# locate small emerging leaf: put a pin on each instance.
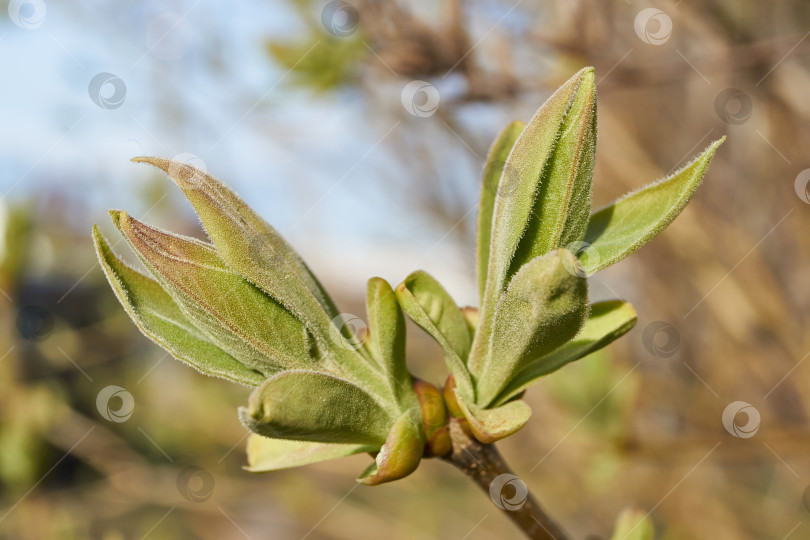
(497, 177)
(607, 321)
(255, 250)
(239, 318)
(431, 307)
(265, 454)
(401, 453)
(159, 318)
(616, 231)
(511, 213)
(386, 339)
(562, 204)
(544, 306)
(311, 406)
(490, 425)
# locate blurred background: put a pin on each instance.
(360, 130)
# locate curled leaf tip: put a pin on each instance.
(401, 453)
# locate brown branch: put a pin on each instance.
(483, 463)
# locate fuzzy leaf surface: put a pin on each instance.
(497, 177)
(617, 230)
(562, 204)
(607, 321)
(312, 406)
(429, 305)
(155, 313)
(544, 306)
(238, 317)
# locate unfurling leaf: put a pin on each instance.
(159, 318)
(551, 165)
(258, 253)
(401, 453)
(607, 321)
(311, 406)
(497, 178)
(544, 306)
(386, 339)
(237, 316)
(431, 307)
(617, 230)
(493, 424)
(562, 203)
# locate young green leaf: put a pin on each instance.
(607, 321)
(431, 307)
(265, 454)
(386, 338)
(544, 306)
(401, 453)
(616, 231)
(511, 213)
(238, 317)
(562, 204)
(158, 317)
(493, 424)
(497, 177)
(311, 406)
(252, 247)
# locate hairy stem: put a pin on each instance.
(483, 463)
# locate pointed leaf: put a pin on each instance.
(607, 321)
(513, 209)
(496, 177)
(386, 338)
(490, 425)
(616, 231)
(431, 307)
(158, 317)
(544, 306)
(250, 245)
(265, 454)
(238, 317)
(401, 453)
(311, 406)
(562, 204)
